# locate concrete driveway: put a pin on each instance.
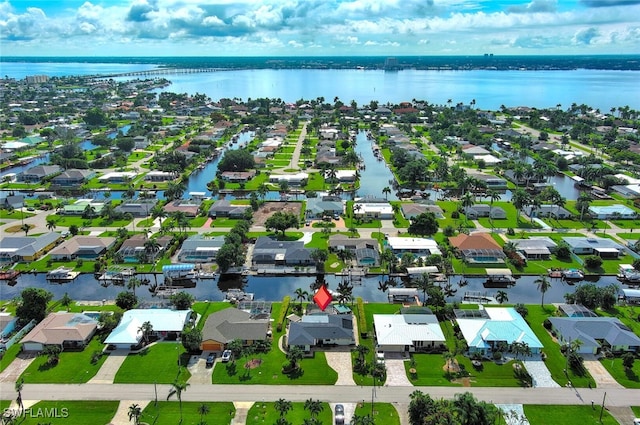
(602, 377)
(340, 361)
(396, 374)
(200, 373)
(17, 366)
(109, 368)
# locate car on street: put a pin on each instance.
(338, 414)
(226, 356)
(211, 358)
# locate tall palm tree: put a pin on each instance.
(51, 224)
(520, 199)
(543, 286)
(135, 411)
(19, 386)
(423, 283)
(502, 297)
(145, 329)
(283, 406)
(386, 191)
(157, 212)
(301, 295)
(203, 410)
(177, 387)
(25, 228)
(151, 247)
(467, 202)
(66, 301)
(493, 197)
(314, 407)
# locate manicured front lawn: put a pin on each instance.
(158, 363)
(628, 378)
(74, 367)
(265, 413)
(636, 410)
(9, 356)
(383, 413)
(168, 412)
(566, 415)
(556, 362)
(71, 412)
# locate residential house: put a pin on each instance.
(82, 207)
(188, 207)
(72, 178)
(321, 330)
(117, 177)
(343, 176)
(554, 211)
(487, 329)
(596, 334)
(407, 332)
(326, 205)
(380, 210)
(421, 247)
(478, 248)
(535, 248)
(410, 211)
(609, 212)
(159, 176)
(38, 173)
(403, 295)
(166, 324)
(133, 250)
(12, 201)
(26, 248)
(141, 142)
(137, 208)
(200, 249)
(268, 251)
(365, 250)
(224, 208)
(594, 245)
(83, 247)
(229, 324)
(484, 210)
(69, 331)
(238, 176)
(298, 179)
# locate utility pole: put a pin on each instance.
(602, 407)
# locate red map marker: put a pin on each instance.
(322, 297)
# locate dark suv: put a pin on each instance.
(211, 358)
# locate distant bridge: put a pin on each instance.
(158, 72)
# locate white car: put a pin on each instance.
(636, 421)
(380, 358)
(226, 356)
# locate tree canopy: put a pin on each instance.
(126, 300)
(238, 160)
(281, 221)
(424, 224)
(33, 305)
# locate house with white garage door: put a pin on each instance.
(408, 332)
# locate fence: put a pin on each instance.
(18, 336)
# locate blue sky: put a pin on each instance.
(317, 27)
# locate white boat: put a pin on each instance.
(572, 274)
(62, 274)
(235, 295)
(628, 274)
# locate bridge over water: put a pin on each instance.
(159, 72)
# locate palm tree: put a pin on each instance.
(203, 410)
(386, 191)
(520, 199)
(467, 202)
(314, 407)
(18, 386)
(133, 283)
(135, 411)
(362, 351)
(145, 329)
(66, 301)
(151, 247)
(294, 355)
(493, 197)
(448, 359)
(423, 283)
(502, 297)
(283, 406)
(543, 286)
(25, 228)
(157, 212)
(345, 292)
(177, 387)
(51, 224)
(301, 295)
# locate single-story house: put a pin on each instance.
(408, 332)
(117, 177)
(381, 210)
(298, 179)
(596, 333)
(200, 249)
(319, 330)
(188, 207)
(485, 329)
(607, 212)
(238, 176)
(84, 247)
(66, 330)
(483, 210)
(594, 245)
(82, 206)
(134, 248)
(410, 211)
(160, 176)
(72, 178)
(224, 208)
(138, 208)
(325, 205)
(628, 191)
(365, 250)
(631, 296)
(26, 248)
(421, 247)
(165, 322)
(403, 295)
(478, 248)
(535, 248)
(343, 176)
(38, 173)
(13, 201)
(224, 326)
(554, 211)
(281, 253)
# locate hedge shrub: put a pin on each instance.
(362, 320)
(283, 312)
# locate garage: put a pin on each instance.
(211, 346)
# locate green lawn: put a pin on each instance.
(168, 412)
(628, 378)
(383, 413)
(204, 309)
(556, 361)
(158, 363)
(636, 410)
(71, 412)
(9, 356)
(265, 413)
(566, 415)
(73, 367)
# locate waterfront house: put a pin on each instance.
(229, 324)
(137, 208)
(547, 210)
(380, 210)
(69, 331)
(404, 333)
(535, 248)
(38, 173)
(166, 324)
(200, 249)
(594, 245)
(140, 142)
(325, 205)
(420, 247)
(484, 210)
(87, 207)
(268, 251)
(224, 208)
(117, 177)
(609, 212)
(238, 176)
(83, 247)
(412, 210)
(596, 333)
(159, 176)
(321, 330)
(365, 250)
(26, 248)
(298, 179)
(188, 207)
(72, 178)
(133, 250)
(478, 248)
(485, 330)
(12, 201)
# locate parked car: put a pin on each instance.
(211, 358)
(636, 421)
(339, 414)
(226, 356)
(336, 216)
(380, 358)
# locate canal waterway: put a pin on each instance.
(376, 175)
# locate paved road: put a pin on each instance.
(328, 393)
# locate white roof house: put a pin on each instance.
(629, 179)
(408, 332)
(382, 210)
(612, 211)
(289, 178)
(163, 320)
(118, 176)
(484, 329)
(422, 246)
(343, 175)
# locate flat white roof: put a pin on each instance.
(411, 243)
(499, 272)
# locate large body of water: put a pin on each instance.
(602, 89)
